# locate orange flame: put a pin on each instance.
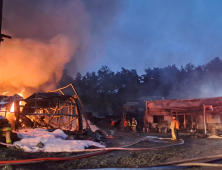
(13, 104)
(12, 108)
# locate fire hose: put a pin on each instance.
(99, 152)
(190, 162)
(183, 163)
(201, 164)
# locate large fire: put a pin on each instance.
(36, 65)
(42, 44)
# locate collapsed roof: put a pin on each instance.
(5, 100)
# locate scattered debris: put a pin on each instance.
(40, 145)
(112, 132)
(71, 137)
(197, 135)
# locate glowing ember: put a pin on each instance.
(22, 95)
(4, 93)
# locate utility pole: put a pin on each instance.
(2, 35)
(1, 9)
(204, 119)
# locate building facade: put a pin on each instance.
(203, 113)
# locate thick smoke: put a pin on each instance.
(30, 64)
(46, 35)
(196, 82)
(102, 14)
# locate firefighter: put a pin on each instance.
(134, 124)
(5, 129)
(125, 125)
(112, 123)
(174, 128)
(128, 126)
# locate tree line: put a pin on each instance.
(104, 92)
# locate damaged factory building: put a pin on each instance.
(58, 109)
(203, 113)
(53, 109)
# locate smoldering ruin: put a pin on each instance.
(61, 108)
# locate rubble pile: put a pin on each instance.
(197, 135)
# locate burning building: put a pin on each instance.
(61, 108)
(203, 113)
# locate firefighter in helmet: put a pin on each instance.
(5, 129)
(174, 128)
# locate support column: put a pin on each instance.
(76, 113)
(17, 113)
(204, 116)
(191, 120)
(184, 121)
(80, 125)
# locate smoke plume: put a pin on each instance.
(46, 35)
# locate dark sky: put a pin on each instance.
(134, 34)
(157, 33)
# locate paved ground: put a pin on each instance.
(192, 148)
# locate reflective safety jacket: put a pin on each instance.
(174, 124)
(177, 124)
(5, 125)
(125, 123)
(134, 123)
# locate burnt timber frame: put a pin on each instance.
(56, 110)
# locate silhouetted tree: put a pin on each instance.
(105, 91)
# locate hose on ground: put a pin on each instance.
(37, 160)
(124, 147)
(201, 164)
(182, 163)
(99, 152)
(190, 160)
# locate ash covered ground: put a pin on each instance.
(192, 148)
